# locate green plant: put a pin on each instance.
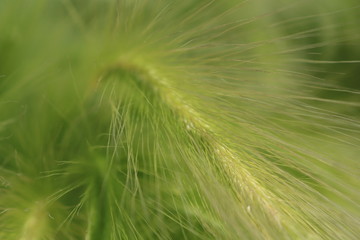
(139, 119)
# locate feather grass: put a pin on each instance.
(175, 119)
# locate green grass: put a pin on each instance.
(139, 119)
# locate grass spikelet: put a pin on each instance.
(139, 119)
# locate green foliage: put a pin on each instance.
(154, 119)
